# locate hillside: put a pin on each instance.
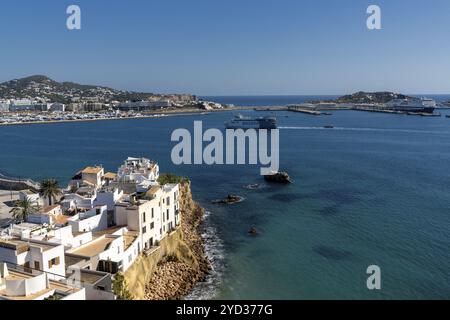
(371, 97)
(40, 86)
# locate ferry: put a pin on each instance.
(241, 122)
(420, 105)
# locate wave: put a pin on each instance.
(214, 250)
(366, 129)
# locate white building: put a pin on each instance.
(95, 219)
(57, 107)
(137, 175)
(20, 285)
(4, 107)
(154, 215)
(48, 215)
(112, 250)
(33, 254)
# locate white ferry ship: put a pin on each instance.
(420, 105)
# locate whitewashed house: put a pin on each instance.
(154, 215)
(33, 254)
(137, 175)
(19, 285)
(95, 219)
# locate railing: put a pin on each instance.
(27, 181)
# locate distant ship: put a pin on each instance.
(241, 122)
(421, 105)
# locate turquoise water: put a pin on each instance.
(374, 190)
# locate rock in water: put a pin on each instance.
(278, 177)
(253, 231)
(230, 199)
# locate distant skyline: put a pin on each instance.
(251, 47)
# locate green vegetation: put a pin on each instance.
(54, 297)
(119, 287)
(22, 209)
(166, 178)
(50, 189)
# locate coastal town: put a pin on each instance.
(38, 99)
(79, 242)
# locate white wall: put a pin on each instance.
(39, 219)
(133, 252)
(94, 223)
(26, 287)
(108, 198)
(115, 251)
(79, 295)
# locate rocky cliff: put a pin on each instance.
(172, 270)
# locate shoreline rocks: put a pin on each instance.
(278, 177)
(175, 276)
(230, 199)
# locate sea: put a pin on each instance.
(374, 190)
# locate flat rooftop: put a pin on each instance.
(91, 277)
(92, 170)
(22, 245)
(53, 285)
(71, 260)
(94, 248)
(111, 230)
(129, 238)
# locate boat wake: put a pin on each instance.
(214, 249)
(365, 129)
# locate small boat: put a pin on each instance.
(330, 126)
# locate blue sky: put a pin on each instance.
(232, 47)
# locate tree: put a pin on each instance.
(50, 189)
(167, 178)
(119, 287)
(22, 209)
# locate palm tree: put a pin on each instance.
(22, 209)
(50, 189)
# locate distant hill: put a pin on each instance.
(40, 86)
(371, 97)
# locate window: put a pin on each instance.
(152, 225)
(168, 201)
(53, 262)
(129, 258)
(144, 216)
(153, 213)
(144, 230)
(167, 214)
